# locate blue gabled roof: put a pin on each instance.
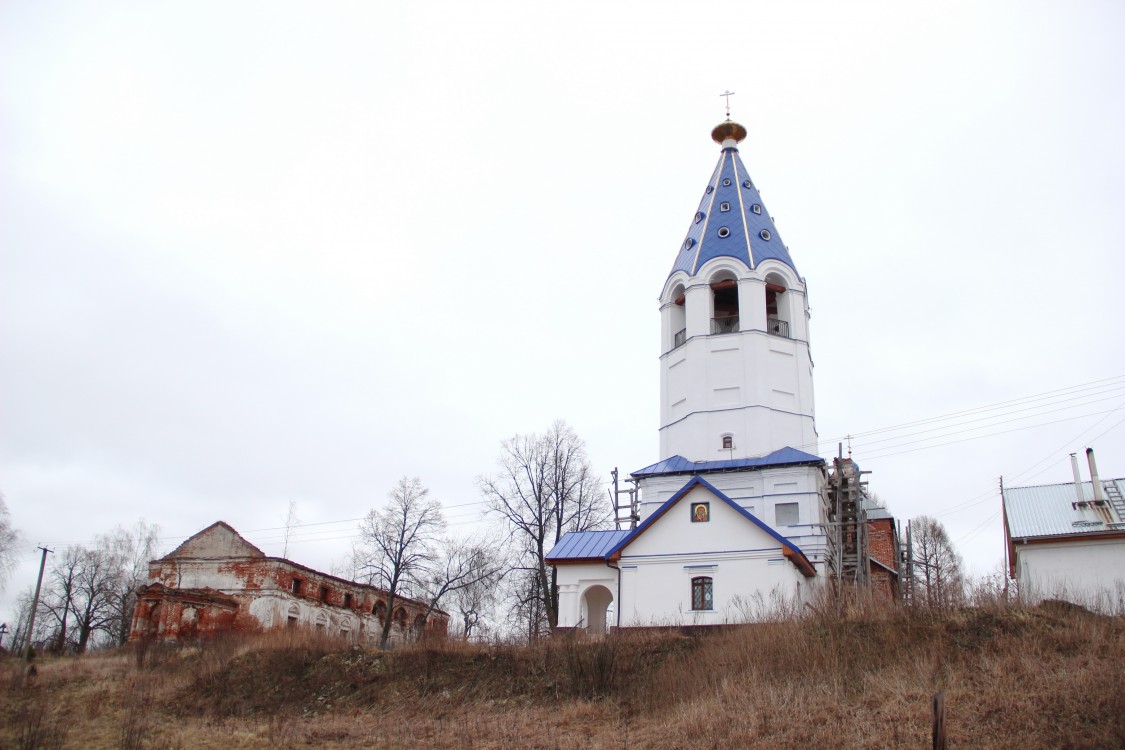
(681, 465)
(731, 184)
(584, 545)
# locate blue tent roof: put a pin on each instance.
(680, 465)
(749, 236)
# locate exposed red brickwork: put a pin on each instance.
(201, 589)
(882, 547)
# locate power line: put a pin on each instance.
(1092, 385)
(1038, 411)
(978, 437)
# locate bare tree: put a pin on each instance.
(397, 546)
(543, 489)
(9, 543)
(79, 595)
(466, 570)
(90, 592)
(97, 587)
(291, 520)
(20, 636)
(938, 580)
(526, 613)
(130, 550)
(472, 603)
(58, 593)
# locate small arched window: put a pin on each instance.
(702, 596)
(728, 442)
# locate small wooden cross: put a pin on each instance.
(728, 94)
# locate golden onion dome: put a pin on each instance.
(728, 130)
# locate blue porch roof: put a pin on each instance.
(680, 465)
(584, 545)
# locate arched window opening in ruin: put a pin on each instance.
(293, 616)
(400, 618)
(380, 611)
(152, 627)
(346, 628)
(724, 299)
(678, 317)
(419, 626)
(321, 621)
(777, 306)
(594, 608)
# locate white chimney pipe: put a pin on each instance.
(1077, 478)
(1099, 490)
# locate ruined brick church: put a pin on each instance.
(217, 582)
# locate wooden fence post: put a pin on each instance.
(939, 721)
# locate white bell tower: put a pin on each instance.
(735, 367)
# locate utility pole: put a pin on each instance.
(35, 605)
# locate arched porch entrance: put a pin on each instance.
(595, 603)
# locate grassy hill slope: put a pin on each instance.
(1044, 677)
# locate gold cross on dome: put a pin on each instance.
(728, 94)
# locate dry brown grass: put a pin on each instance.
(1046, 677)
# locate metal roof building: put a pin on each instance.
(1067, 541)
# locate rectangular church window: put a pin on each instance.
(787, 514)
(701, 595)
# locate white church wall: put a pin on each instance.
(744, 562)
(759, 492)
(747, 569)
(658, 591)
(751, 384)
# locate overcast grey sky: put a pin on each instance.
(254, 252)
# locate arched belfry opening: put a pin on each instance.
(724, 300)
(595, 605)
(678, 316)
(777, 306)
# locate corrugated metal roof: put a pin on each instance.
(1049, 510)
(579, 545)
(750, 234)
(680, 465)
